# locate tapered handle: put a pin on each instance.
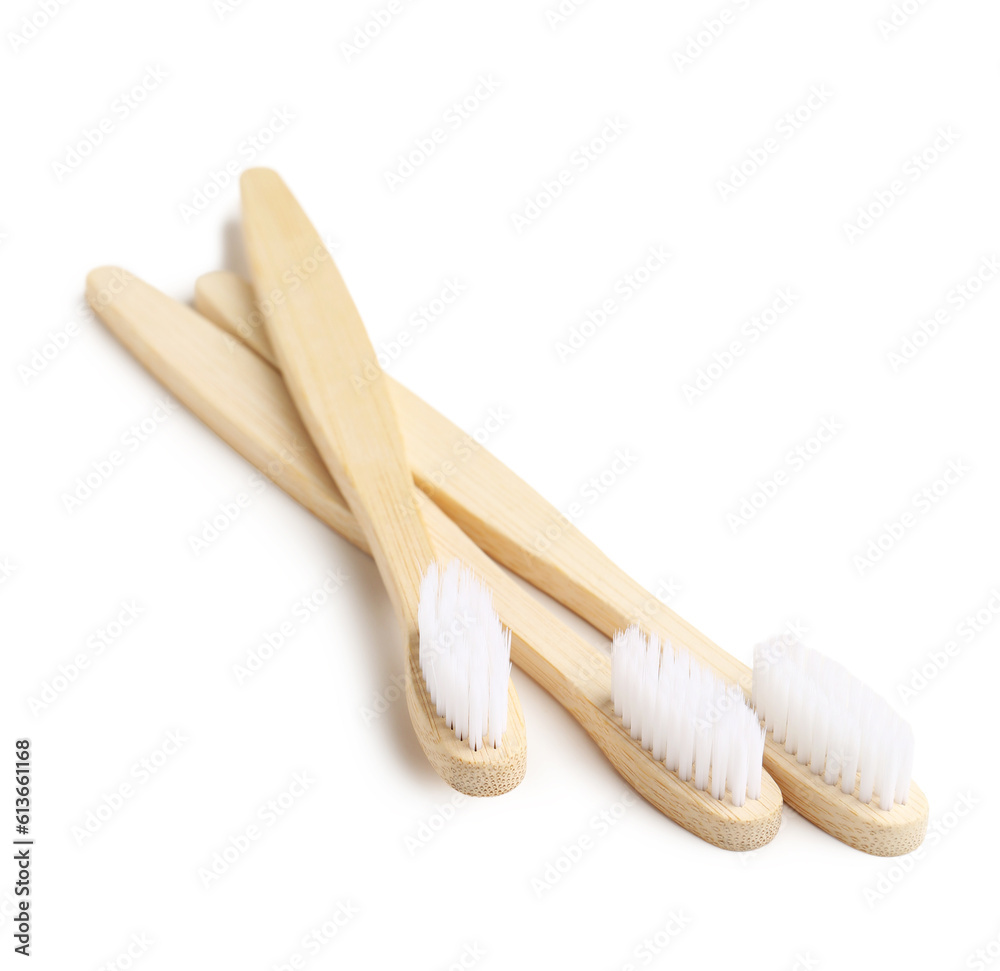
(323, 349)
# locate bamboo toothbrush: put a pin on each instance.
(519, 529)
(457, 673)
(241, 396)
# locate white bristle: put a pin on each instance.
(464, 653)
(694, 722)
(833, 722)
(739, 753)
(755, 759)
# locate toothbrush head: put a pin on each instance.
(686, 716)
(464, 654)
(832, 722)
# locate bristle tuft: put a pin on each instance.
(688, 718)
(464, 653)
(832, 722)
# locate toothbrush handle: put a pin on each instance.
(492, 505)
(247, 403)
(245, 400)
(323, 348)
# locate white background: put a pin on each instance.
(354, 837)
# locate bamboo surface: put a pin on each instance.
(321, 342)
(520, 530)
(242, 397)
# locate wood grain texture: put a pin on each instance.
(243, 398)
(321, 342)
(519, 529)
